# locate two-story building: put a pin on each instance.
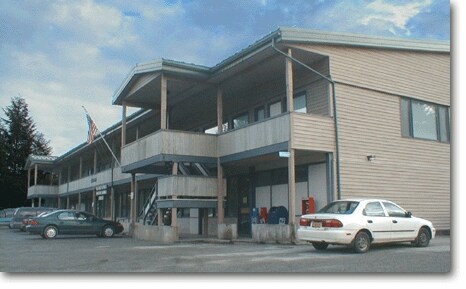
(297, 114)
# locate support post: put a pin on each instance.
(220, 187)
(123, 125)
(291, 159)
(163, 102)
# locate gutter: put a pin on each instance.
(334, 98)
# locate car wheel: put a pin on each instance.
(320, 245)
(108, 232)
(50, 232)
(423, 238)
(361, 243)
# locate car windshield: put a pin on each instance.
(339, 207)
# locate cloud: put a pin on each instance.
(61, 55)
(396, 15)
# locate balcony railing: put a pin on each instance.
(89, 182)
(188, 186)
(169, 142)
(42, 190)
(261, 134)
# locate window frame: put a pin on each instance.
(439, 125)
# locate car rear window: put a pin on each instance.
(339, 207)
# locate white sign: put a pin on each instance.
(284, 154)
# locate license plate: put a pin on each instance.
(316, 224)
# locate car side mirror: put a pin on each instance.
(408, 214)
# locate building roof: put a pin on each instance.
(39, 160)
(282, 36)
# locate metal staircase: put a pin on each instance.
(189, 169)
(149, 211)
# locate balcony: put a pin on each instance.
(273, 133)
(90, 182)
(168, 145)
(42, 191)
(188, 186)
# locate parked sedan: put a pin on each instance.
(360, 223)
(71, 222)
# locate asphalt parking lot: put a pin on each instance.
(22, 252)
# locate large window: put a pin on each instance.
(425, 120)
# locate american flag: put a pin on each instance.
(92, 129)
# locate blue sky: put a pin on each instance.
(61, 55)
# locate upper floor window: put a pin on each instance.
(425, 120)
(259, 113)
(275, 108)
(299, 103)
(241, 120)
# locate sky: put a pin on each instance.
(62, 55)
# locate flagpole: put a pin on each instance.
(85, 110)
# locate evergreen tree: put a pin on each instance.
(19, 138)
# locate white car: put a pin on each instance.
(360, 223)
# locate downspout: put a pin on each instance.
(334, 98)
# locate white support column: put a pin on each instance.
(29, 177)
(35, 175)
(163, 102)
(80, 167)
(174, 210)
(291, 159)
(133, 200)
(95, 161)
(220, 185)
(123, 125)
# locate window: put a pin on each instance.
(241, 121)
(275, 108)
(374, 209)
(393, 210)
(299, 103)
(259, 113)
(214, 129)
(66, 216)
(424, 120)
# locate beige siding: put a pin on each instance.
(313, 132)
(424, 75)
(414, 173)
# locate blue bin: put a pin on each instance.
(255, 216)
(278, 215)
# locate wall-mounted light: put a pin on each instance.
(370, 158)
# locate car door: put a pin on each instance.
(403, 226)
(377, 222)
(67, 222)
(84, 224)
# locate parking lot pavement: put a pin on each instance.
(22, 252)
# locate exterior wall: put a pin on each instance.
(313, 132)
(424, 75)
(414, 173)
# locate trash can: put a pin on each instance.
(278, 215)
